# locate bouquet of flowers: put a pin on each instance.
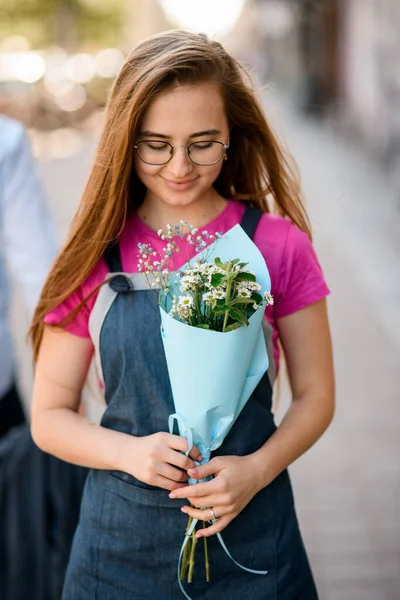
(211, 314)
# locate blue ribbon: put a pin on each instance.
(189, 436)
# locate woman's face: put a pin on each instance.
(181, 116)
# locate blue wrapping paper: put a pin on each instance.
(213, 374)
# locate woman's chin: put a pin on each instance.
(178, 199)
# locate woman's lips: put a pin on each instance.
(179, 185)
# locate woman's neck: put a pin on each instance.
(157, 214)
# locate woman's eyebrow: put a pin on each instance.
(206, 132)
(152, 134)
(162, 136)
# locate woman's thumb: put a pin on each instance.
(209, 468)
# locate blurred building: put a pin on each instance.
(340, 59)
(370, 73)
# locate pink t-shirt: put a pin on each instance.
(296, 276)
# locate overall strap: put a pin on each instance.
(120, 283)
(250, 220)
(113, 258)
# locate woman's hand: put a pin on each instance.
(234, 484)
(158, 459)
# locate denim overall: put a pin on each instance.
(128, 540)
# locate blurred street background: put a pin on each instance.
(328, 72)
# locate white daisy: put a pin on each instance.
(268, 297)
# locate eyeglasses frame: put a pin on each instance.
(224, 147)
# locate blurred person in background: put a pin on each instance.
(39, 495)
(27, 247)
(185, 138)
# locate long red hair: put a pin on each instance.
(257, 171)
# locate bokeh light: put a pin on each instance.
(27, 67)
(81, 68)
(207, 16)
(108, 62)
(73, 99)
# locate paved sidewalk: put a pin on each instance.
(347, 487)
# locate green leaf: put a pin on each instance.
(217, 279)
(234, 314)
(220, 304)
(233, 327)
(257, 298)
(234, 262)
(218, 262)
(239, 315)
(203, 326)
(245, 277)
(243, 301)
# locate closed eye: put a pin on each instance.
(156, 145)
(201, 145)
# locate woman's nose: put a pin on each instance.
(180, 164)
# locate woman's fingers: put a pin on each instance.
(199, 491)
(176, 442)
(167, 470)
(161, 460)
(214, 528)
(178, 460)
(223, 518)
(195, 454)
(165, 483)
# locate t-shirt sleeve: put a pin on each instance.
(302, 281)
(79, 325)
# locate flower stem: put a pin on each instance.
(191, 560)
(186, 552)
(227, 297)
(207, 564)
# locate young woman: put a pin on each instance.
(185, 138)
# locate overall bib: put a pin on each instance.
(128, 540)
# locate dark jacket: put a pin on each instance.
(39, 509)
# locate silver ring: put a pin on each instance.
(214, 518)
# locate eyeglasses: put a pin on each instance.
(203, 154)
